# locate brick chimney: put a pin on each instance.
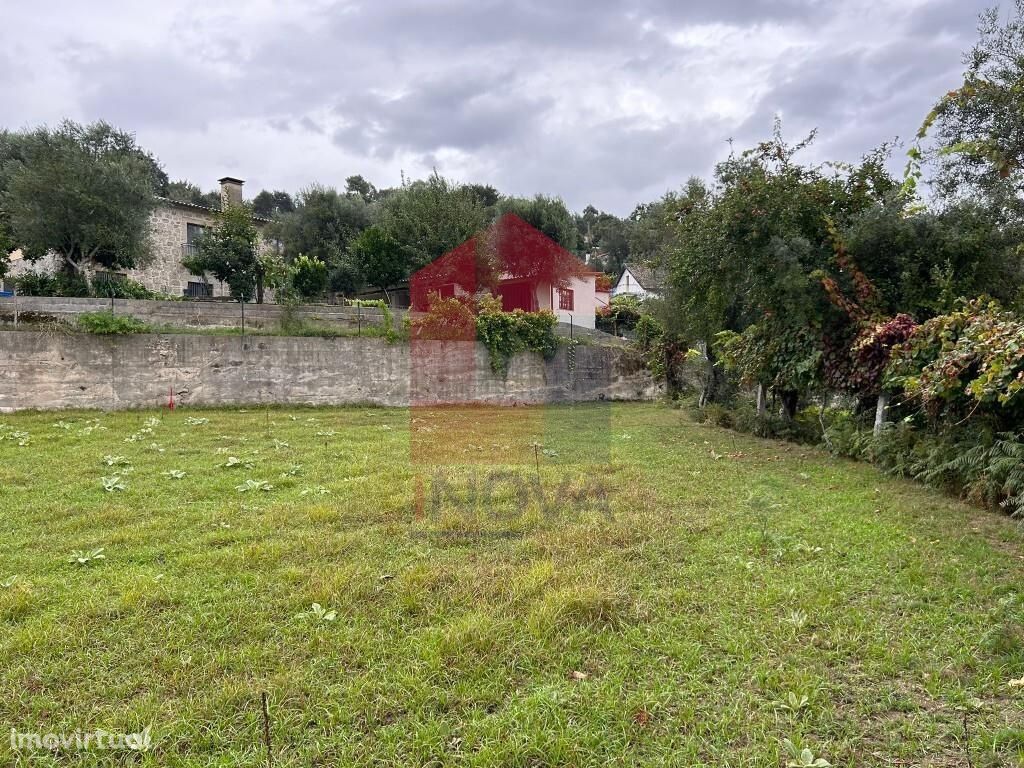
(230, 191)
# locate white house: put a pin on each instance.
(640, 281)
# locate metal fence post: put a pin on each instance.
(15, 292)
(570, 328)
(359, 319)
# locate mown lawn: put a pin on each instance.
(734, 593)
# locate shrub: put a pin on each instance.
(60, 284)
(969, 362)
(503, 333)
(648, 332)
(507, 333)
(309, 277)
(447, 319)
(622, 315)
(120, 289)
(105, 323)
(36, 284)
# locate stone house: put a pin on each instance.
(174, 228)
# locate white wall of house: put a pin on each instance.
(627, 285)
(584, 301)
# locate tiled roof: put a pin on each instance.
(204, 208)
(648, 278)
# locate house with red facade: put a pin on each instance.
(520, 264)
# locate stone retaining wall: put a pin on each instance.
(194, 314)
(61, 370)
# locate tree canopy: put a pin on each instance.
(272, 204)
(430, 217)
(82, 192)
(978, 128)
(322, 227)
(547, 214)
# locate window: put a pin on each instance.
(197, 290)
(193, 232)
(565, 299)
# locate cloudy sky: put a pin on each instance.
(597, 101)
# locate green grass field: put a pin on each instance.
(735, 593)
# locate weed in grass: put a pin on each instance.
(320, 613)
(85, 557)
(793, 703)
(803, 757)
(174, 474)
(113, 483)
(254, 485)
(798, 619)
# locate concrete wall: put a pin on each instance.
(192, 314)
(57, 371)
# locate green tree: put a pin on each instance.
(979, 127)
(229, 251)
(607, 235)
(922, 262)
(185, 191)
(485, 194)
(272, 204)
(360, 187)
(6, 246)
(430, 217)
(378, 259)
(751, 258)
(547, 214)
(322, 226)
(82, 192)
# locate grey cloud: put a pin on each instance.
(469, 115)
(589, 99)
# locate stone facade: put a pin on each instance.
(163, 271)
